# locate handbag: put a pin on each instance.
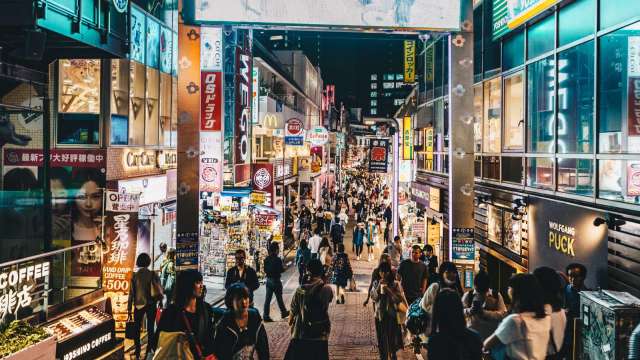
(194, 341)
(173, 345)
(130, 330)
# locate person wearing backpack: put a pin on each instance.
(484, 308)
(448, 277)
(309, 321)
(341, 272)
(168, 273)
(450, 339)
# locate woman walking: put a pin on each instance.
(553, 300)
(325, 253)
(341, 272)
(448, 277)
(303, 256)
(142, 302)
(375, 275)
(168, 274)
(358, 239)
(370, 234)
(391, 307)
(240, 334)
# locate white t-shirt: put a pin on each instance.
(525, 336)
(314, 243)
(558, 324)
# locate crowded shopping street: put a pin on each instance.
(320, 179)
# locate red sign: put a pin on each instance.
(57, 158)
(265, 219)
(633, 106)
(294, 127)
(262, 179)
(211, 101)
(242, 175)
(378, 153)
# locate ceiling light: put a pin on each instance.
(276, 37)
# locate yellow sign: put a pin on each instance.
(434, 198)
(433, 233)
(428, 144)
(277, 238)
(409, 61)
(258, 198)
(561, 238)
(429, 64)
(407, 139)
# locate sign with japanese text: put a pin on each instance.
(262, 181)
(211, 48)
(429, 64)
(463, 246)
(121, 232)
(508, 14)
(428, 144)
(211, 161)
(255, 95)
(633, 178)
(294, 132)
(378, 155)
(633, 85)
(243, 80)
(58, 157)
(409, 61)
(407, 138)
(264, 220)
(187, 251)
(211, 101)
(21, 285)
(434, 198)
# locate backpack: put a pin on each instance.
(417, 318)
(315, 321)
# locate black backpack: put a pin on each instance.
(315, 320)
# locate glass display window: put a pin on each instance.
(165, 49)
(119, 131)
(152, 102)
(512, 169)
(540, 173)
(613, 12)
(137, 111)
(165, 109)
(514, 113)
(477, 119)
(540, 37)
(575, 21)
(513, 51)
(541, 105)
(153, 43)
(494, 224)
(619, 180)
(492, 115)
(491, 167)
(512, 233)
(575, 176)
(138, 34)
(78, 119)
(619, 111)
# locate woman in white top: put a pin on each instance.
(523, 335)
(553, 300)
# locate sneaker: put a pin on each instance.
(285, 314)
(267, 319)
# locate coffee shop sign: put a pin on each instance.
(17, 287)
(561, 238)
(140, 159)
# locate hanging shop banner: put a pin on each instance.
(294, 132)
(187, 251)
(508, 14)
(433, 233)
(462, 245)
(633, 85)
(242, 136)
(211, 48)
(429, 64)
(211, 101)
(121, 232)
(262, 182)
(378, 155)
(405, 171)
(428, 142)
(57, 158)
(317, 153)
(425, 14)
(407, 139)
(434, 198)
(317, 136)
(255, 95)
(409, 61)
(265, 221)
(210, 161)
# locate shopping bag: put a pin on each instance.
(158, 315)
(174, 346)
(130, 330)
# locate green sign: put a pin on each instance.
(509, 14)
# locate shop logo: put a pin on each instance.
(121, 5)
(378, 153)
(262, 178)
(561, 238)
(209, 174)
(294, 127)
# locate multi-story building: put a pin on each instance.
(387, 92)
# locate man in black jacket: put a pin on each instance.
(241, 273)
(337, 233)
(273, 268)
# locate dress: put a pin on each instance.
(341, 270)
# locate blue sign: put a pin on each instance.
(294, 140)
(463, 246)
(187, 250)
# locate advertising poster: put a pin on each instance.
(407, 138)
(494, 226)
(210, 161)
(428, 144)
(378, 155)
(462, 245)
(409, 61)
(262, 182)
(433, 233)
(138, 33)
(633, 178)
(187, 251)
(121, 232)
(317, 153)
(166, 48)
(153, 43)
(211, 48)
(242, 136)
(211, 101)
(633, 85)
(512, 233)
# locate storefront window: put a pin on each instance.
(575, 176)
(514, 113)
(137, 110)
(576, 21)
(620, 180)
(477, 119)
(540, 37)
(513, 51)
(494, 224)
(79, 102)
(119, 102)
(613, 12)
(540, 173)
(512, 169)
(492, 108)
(491, 167)
(619, 111)
(540, 105)
(575, 99)
(512, 232)
(165, 110)
(152, 105)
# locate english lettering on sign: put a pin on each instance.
(242, 123)
(85, 348)
(17, 285)
(562, 238)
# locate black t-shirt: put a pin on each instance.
(273, 267)
(413, 274)
(468, 346)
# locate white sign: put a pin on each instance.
(318, 136)
(16, 287)
(122, 202)
(414, 14)
(151, 189)
(255, 89)
(210, 161)
(211, 48)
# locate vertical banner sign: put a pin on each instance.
(263, 182)
(463, 246)
(242, 137)
(378, 155)
(229, 67)
(255, 95)
(121, 238)
(429, 65)
(187, 250)
(407, 139)
(428, 144)
(633, 85)
(211, 101)
(210, 161)
(409, 61)
(211, 49)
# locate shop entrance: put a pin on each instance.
(499, 275)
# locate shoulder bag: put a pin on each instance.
(194, 342)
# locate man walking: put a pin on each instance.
(395, 252)
(242, 273)
(273, 269)
(337, 233)
(414, 275)
(314, 244)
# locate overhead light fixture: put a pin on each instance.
(276, 37)
(599, 221)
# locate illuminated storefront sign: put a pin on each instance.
(262, 181)
(561, 238)
(18, 286)
(151, 189)
(211, 48)
(167, 159)
(137, 159)
(241, 136)
(211, 161)
(294, 132)
(378, 155)
(509, 14)
(407, 139)
(255, 98)
(317, 136)
(409, 61)
(211, 101)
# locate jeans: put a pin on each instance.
(138, 315)
(274, 286)
(359, 249)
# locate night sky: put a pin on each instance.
(345, 59)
